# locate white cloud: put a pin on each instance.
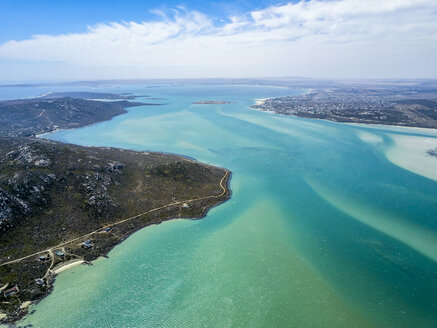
(340, 38)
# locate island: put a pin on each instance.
(394, 105)
(212, 102)
(63, 204)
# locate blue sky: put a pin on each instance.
(20, 19)
(110, 39)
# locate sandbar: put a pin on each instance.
(411, 153)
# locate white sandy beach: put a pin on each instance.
(410, 153)
(260, 101)
(25, 304)
(67, 266)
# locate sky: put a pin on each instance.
(133, 39)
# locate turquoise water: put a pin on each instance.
(321, 230)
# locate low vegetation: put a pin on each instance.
(61, 203)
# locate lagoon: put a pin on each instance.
(329, 225)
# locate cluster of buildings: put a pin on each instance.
(330, 103)
(8, 292)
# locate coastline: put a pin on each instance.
(22, 311)
(393, 127)
(52, 274)
(258, 102)
(65, 266)
(409, 152)
(204, 213)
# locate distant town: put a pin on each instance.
(416, 107)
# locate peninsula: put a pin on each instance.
(397, 106)
(88, 95)
(63, 204)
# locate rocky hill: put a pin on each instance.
(55, 197)
(28, 117)
(87, 95)
(61, 203)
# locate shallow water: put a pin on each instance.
(322, 230)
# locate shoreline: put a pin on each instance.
(408, 142)
(52, 276)
(204, 213)
(376, 126)
(65, 266)
(14, 318)
(227, 193)
(260, 101)
(181, 156)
